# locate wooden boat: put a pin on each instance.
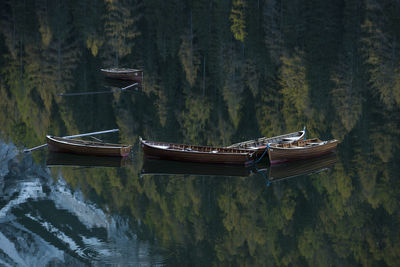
(123, 74)
(59, 159)
(169, 167)
(203, 154)
(77, 146)
(259, 145)
(302, 149)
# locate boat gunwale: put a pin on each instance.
(88, 143)
(235, 151)
(246, 144)
(319, 144)
(121, 71)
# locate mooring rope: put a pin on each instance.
(267, 181)
(265, 152)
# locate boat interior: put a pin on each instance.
(192, 148)
(263, 141)
(300, 143)
(120, 70)
(87, 143)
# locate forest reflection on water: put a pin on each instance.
(214, 74)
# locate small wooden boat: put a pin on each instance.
(203, 154)
(77, 146)
(123, 74)
(259, 145)
(302, 149)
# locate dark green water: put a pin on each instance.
(215, 73)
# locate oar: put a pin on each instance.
(129, 86)
(34, 148)
(86, 93)
(97, 139)
(94, 133)
(73, 136)
(99, 92)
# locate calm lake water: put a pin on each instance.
(215, 73)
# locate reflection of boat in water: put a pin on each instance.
(271, 173)
(122, 85)
(77, 146)
(301, 167)
(55, 159)
(169, 167)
